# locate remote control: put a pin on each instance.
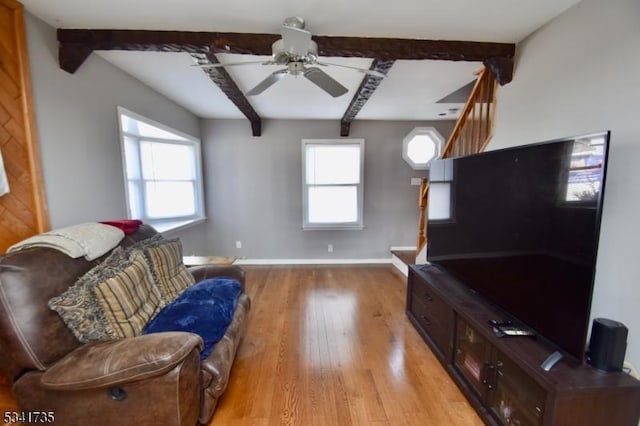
(496, 323)
(515, 331)
(551, 361)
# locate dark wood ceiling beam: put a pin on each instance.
(74, 44)
(145, 39)
(223, 80)
(369, 85)
(72, 55)
(77, 45)
(497, 56)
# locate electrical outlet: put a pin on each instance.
(330, 248)
(238, 244)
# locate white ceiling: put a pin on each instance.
(409, 91)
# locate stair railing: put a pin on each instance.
(471, 134)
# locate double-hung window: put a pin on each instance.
(163, 178)
(332, 183)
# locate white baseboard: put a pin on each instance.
(311, 261)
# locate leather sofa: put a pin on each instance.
(155, 379)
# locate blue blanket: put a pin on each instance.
(206, 309)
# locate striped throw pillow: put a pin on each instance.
(129, 299)
(172, 277)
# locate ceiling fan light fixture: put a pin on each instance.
(312, 53)
(279, 56)
(299, 54)
(311, 58)
(294, 22)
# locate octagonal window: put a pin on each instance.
(420, 146)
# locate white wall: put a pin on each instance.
(78, 131)
(254, 190)
(580, 74)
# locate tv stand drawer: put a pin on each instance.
(430, 324)
(433, 316)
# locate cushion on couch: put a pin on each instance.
(129, 299)
(116, 298)
(205, 308)
(78, 307)
(165, 257)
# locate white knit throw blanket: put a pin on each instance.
(90, 240)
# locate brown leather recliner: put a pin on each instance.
(154, 379)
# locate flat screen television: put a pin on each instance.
(520, 227)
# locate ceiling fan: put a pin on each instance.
(298, 53)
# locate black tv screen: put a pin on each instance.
(520, 227)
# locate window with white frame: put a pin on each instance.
(421, 146)
(332, 175)
(163, 178)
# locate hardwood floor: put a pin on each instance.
(331, 345)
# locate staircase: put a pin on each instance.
(470, 135)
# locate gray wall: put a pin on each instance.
(579, 74)
(254, 190)
(253, 185)
(78, 131)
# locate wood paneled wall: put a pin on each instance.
(23, 212)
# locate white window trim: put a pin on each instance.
(174, 223)
(359, 224)
(433, 134)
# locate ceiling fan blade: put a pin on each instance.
(233, 64)
(267, 82)
(296, 40)
(325, 82)
(362, 70)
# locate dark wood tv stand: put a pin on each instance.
(502, 377)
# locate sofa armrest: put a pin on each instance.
(211, 271)
(105, 364)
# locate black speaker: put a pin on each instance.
(607, 345)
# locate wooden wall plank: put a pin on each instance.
(23, 211)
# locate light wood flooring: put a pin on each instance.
(331, 345)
